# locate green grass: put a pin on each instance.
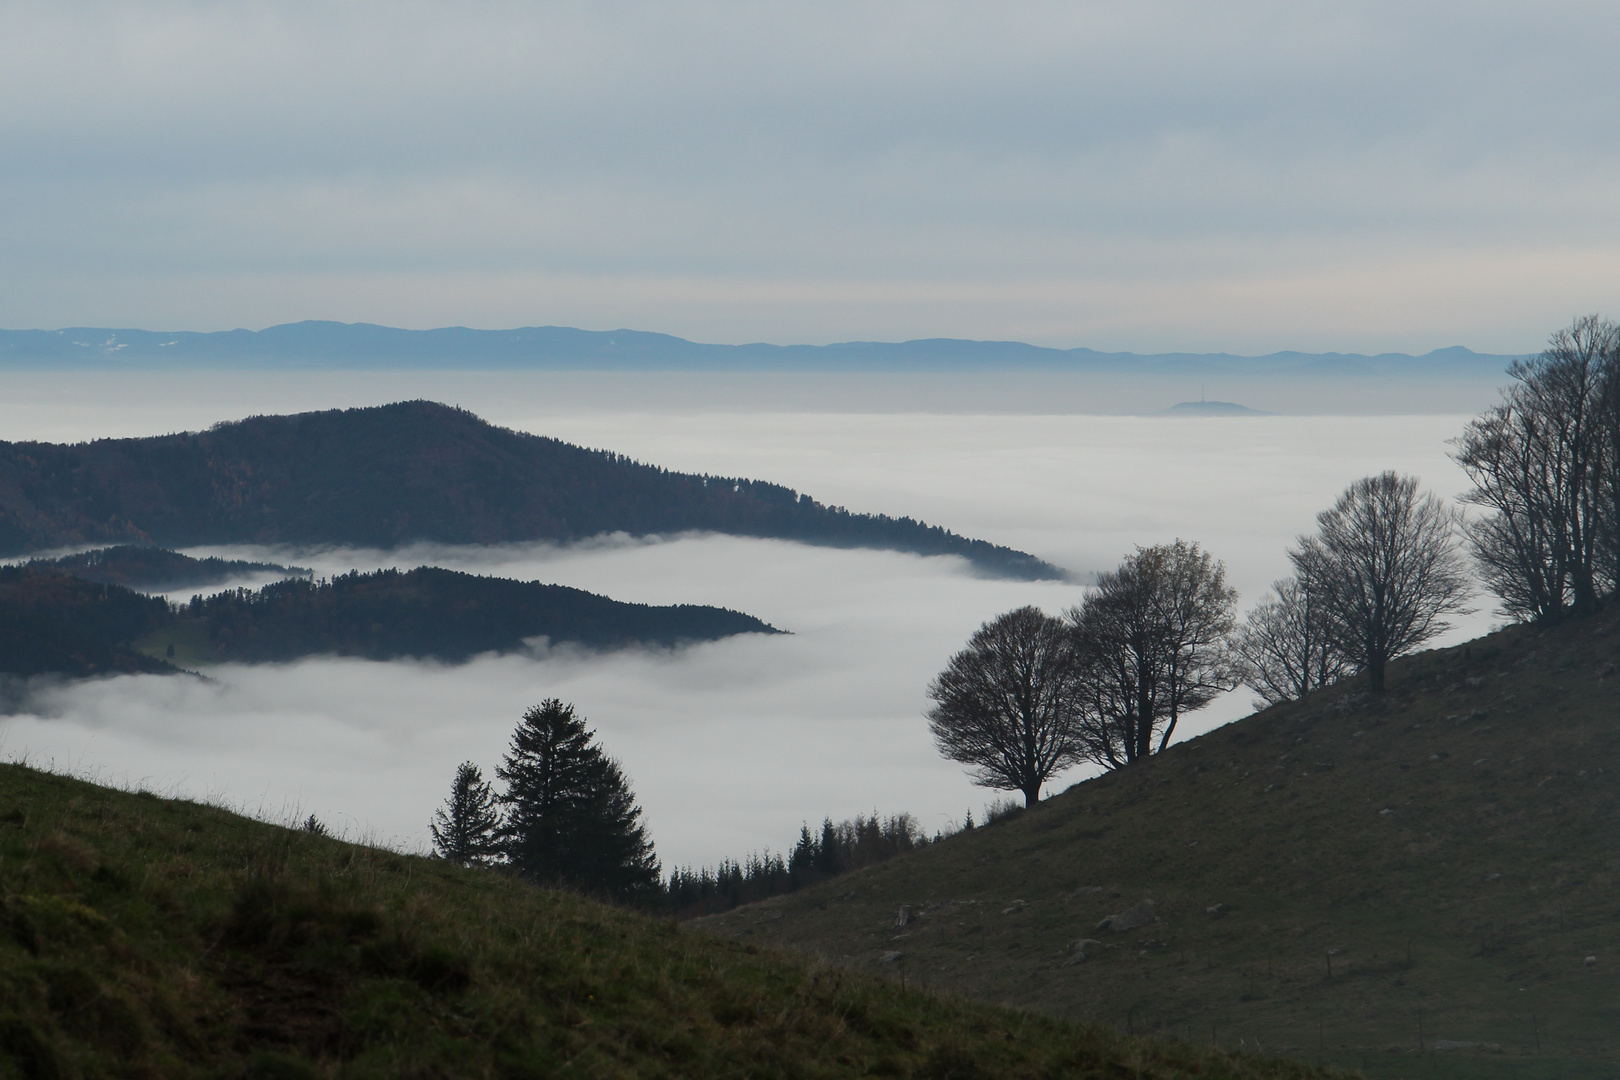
(144, 937)
(189, 637)
(1452, 844)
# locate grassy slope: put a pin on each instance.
(147, 937)
(1453, 844)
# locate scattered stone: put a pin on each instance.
(1129, 919)
(1492, 877)
(1077, 958)
(1216, 910)
(1481, 761)
(1087, 889)
(1386, 810)
(1016, 905)
(891, 957)
(1590, 961)
(903, 917)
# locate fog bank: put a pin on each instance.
(731, 745)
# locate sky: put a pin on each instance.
(1151, 176)
(730, 746)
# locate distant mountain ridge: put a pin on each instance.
(1211, 408)
(416, 470)
(318, 344)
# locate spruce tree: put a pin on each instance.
(572, 820)
(466, 828)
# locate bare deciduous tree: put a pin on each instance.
(1542, 462)
(1006, 704)
(1287, 645)
(1385, 563)
(1153, 642)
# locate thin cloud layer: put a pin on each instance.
(1151, 176)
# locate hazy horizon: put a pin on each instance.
(1158, 177)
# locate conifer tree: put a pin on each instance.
(572, 820)
(466, 828)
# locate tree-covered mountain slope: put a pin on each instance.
(154, 569)
(147, 937)
(428, 612)
(415, 470)
(1345, 875)
(54, 623)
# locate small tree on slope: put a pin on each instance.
(466, 828)
(1006, 704)
(572, 820)
(1385, 563)
(1287, 646)
(1153, 642)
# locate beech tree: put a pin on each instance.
(1152, 643)
(1544, 463)
(1287, 646)
(1006, 704)
(466, 829)
(1385, 563)
(571, 818)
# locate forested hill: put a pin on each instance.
(426, 612)
(152, 569)
(416, 470)
(54, 623)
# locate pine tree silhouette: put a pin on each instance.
(466, 828)
(572, 820)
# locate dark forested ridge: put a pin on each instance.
(153, 569)
(54, 623)
(431, 613)
(415, 470)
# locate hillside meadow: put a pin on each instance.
(148, 937)
(1350, 877)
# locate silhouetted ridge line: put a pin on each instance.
(154, 569)
(433, 613)
(416, 470)
(52, 622)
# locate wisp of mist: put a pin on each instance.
(731, 745)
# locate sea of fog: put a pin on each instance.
(731, 745)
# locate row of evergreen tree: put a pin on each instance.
(565, 817)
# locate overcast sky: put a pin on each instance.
(1146, 176)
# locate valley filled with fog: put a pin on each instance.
(729, 745)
